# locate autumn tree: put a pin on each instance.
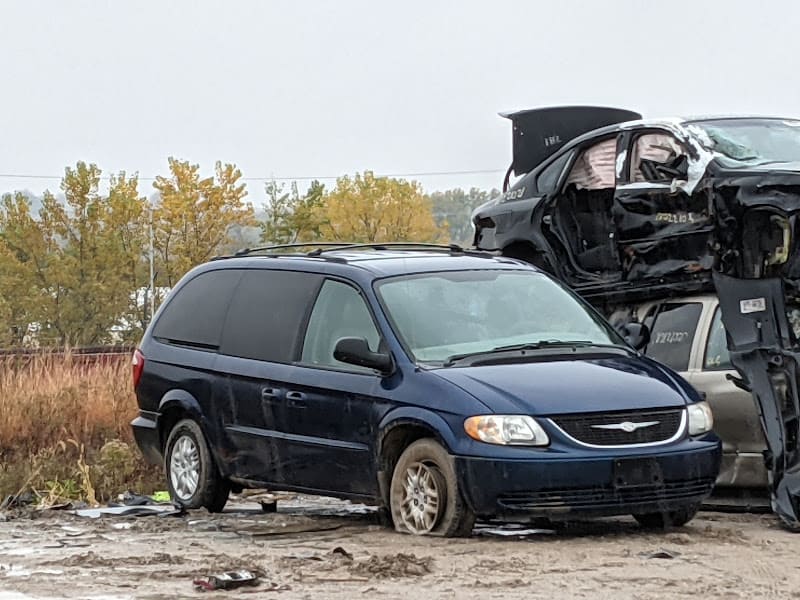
(24, 257)
(74, 263)
(194, 216)
(290, 217)
(454, 207)
(365, 208)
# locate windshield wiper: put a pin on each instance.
(451, 360)
(544, 344)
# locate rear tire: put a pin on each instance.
(192, 476)
(667, 520)
(424, 497)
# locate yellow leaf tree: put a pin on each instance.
(366, 208)
(194, 216)
(69, 274)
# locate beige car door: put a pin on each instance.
(736, 419)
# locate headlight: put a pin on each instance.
(700, 418)
(506, 429)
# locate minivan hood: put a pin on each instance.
(568, 386)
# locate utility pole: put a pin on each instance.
(152, 267)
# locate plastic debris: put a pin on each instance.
(660, 554)
(162, 496)
(226, 581)
(511, 530)
(162, 510)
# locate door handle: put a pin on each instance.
(296, 399)
(269, 393)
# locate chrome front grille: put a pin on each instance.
(623, 428)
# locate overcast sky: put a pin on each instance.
(316, 89)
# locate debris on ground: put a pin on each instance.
(393, 565)
(667, 554)
(228, 580)
(339, 551)
(161, 497)
(162, 510)
(512, 530)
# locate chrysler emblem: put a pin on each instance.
(627, 426)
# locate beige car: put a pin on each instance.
(687, 335)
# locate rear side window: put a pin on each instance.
(717, 356)
(548, 179)
(672, 334)
(195, 314)
(267, 313)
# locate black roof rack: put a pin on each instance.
(247, 251)
(320, 248)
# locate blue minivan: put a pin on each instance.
(440, 384)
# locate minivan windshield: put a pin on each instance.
(445, 314)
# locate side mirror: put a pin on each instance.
(636, 334)
(355, 351)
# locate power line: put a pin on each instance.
(297, 178)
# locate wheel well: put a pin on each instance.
(393, 443)
(168, 419)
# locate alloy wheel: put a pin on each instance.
(422, 497)
(184, 467)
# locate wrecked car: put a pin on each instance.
(686, 333)
(390, 375)
(626, 210)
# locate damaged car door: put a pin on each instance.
(663, 227)
(578, 219)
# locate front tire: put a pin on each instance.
(192, 476)
(424, 497)
(667, 520)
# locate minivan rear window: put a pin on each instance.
(267, 313)
(672, 334)
(195, 314)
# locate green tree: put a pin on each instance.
(24, 255)
(194, 216)
(78, 264)
(366, 208)
(454, 207)
(290, 217)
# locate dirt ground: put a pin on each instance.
(318, 548)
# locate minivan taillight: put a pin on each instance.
(138, 366)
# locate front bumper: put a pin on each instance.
(568, 487)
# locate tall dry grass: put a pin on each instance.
(65, 427)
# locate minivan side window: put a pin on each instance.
(267, 313)
(717, 357)
(339, 312)
(672, 334)
(195, 314)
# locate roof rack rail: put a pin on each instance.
(320, 248)
(390, 245)
(246, 251)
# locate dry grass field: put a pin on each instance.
(64, 427)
